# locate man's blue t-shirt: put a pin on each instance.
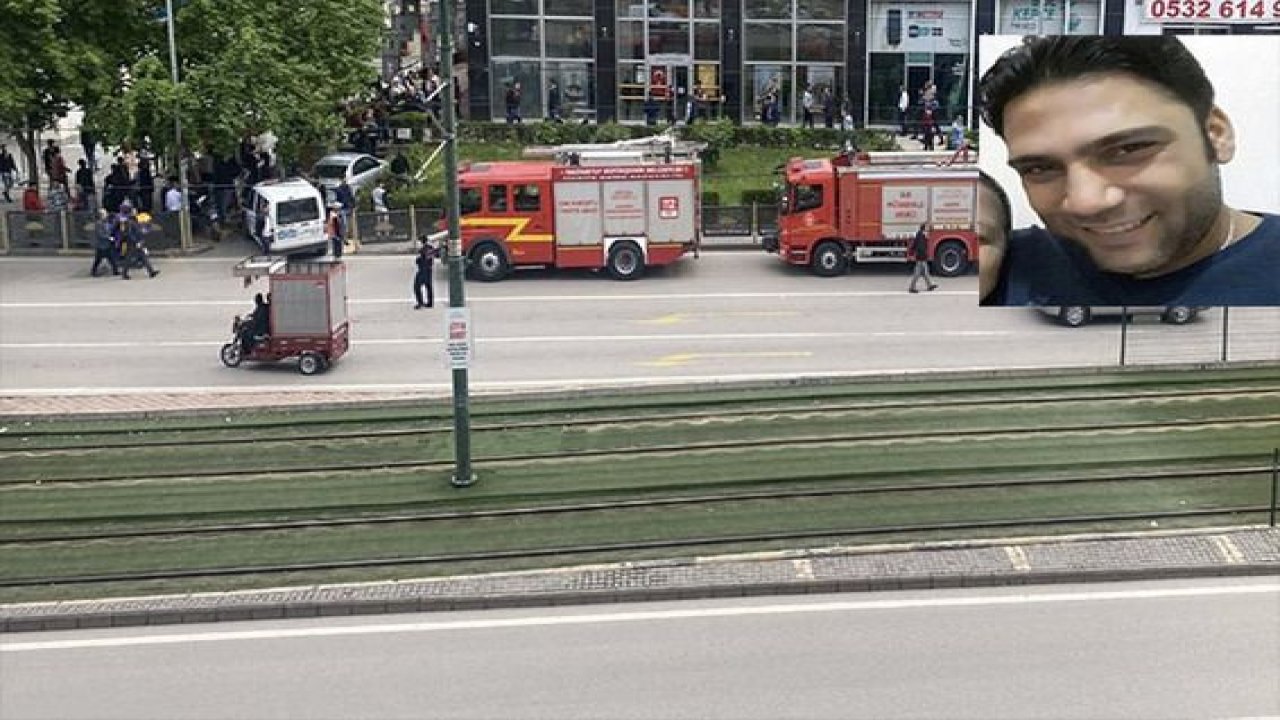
(1041, 269)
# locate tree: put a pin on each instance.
(56, 54)
(248, 66)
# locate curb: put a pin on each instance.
(1162, 555)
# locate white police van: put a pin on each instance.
(285, 216)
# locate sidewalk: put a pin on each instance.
(1005, 562)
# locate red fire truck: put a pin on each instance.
(866, 207)
(622, 209)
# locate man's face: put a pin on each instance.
(991, 239)
(1121, 167)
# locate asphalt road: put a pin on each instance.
(727, 315)
(1205, 648)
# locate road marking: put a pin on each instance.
(640, 616)
(677, 318)
(680, 359)
(1230, 551)
(1018, 558)
(473, 300)
(683, 337)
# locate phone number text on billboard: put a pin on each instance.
(1219, 11)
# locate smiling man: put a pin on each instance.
(1118, 143)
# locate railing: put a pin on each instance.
(52, 232)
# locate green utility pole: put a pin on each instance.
(458, 325)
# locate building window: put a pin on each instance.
(670, 38)
(574, 8)
(820, 10)
(766, 41)
(516, 37)
(514, 7)
(820, 43)
(569, 39)
(767, 9)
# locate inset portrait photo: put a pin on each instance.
(1129, 171)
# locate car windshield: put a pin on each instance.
(330, 171)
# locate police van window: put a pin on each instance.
(808, 197)
(469, 200)
(296, 211)
(497, 198)
(528, 197)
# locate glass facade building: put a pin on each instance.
(633, 60)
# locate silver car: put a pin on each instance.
(1077, 315)
(361, 171)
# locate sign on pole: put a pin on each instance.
(457, 337)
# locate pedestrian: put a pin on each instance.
(86, 189)
(512, 100)
(172, 196)
(422, 278)
(347, 199)
(828, 108)
(31, 201)
(46, 157)
(379, 198)
(115, 188)
(104, 246)
(807, 105)
(146, 186)
(58, 171)
(8, 172)
(58, 199)
(904, 102)
(553, 101)
(920, 254)
(651, 110)
(89, 141)
(333, 229)
(133, 228)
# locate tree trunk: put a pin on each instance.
(27, 145)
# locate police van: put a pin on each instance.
(285, 216)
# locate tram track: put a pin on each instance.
(622, 453)
(621, 547)
(708, 499)
(120, 438)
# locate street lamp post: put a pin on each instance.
(184, 214)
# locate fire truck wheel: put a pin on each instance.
(488, 263)
(310, 363)
(231, 354)
(830, 260)
(626, 262)
(951, 259)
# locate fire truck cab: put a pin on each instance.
(620, 207)
(866, 207)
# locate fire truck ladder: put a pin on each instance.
(656, 149)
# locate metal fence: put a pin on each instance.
(1240, 334)
(52, 232)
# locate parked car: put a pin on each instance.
(1078, 315)
(360, 171)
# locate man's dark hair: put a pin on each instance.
(1006, 210)
(1159, 59)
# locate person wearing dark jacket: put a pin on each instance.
(422, 278)
(104, 246)
(131, 229)
(920, 253)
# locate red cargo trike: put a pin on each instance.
(305, 315)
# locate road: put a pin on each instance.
(727, 315)
(1203, 648)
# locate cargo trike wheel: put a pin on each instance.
(232, 354)
(310, 363)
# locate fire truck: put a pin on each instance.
(622, 207)
(866, 207)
